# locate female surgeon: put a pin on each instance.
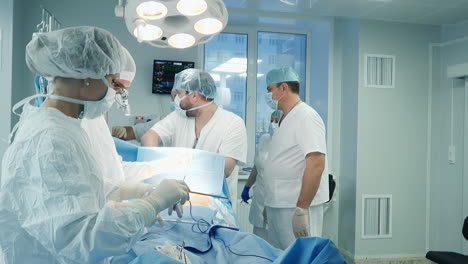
(257, 213)
(53, 205)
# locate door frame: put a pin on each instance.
(465, 167)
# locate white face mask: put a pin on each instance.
(92, 109)
(183, 112)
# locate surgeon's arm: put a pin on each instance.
(229, 164)
(252, 177)
(150, 139)
(315, 164)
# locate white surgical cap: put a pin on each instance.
(128, 66)
(76, 52)
(285, 74)
(194, 80)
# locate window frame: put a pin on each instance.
(251, 82)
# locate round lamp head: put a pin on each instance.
(192, 7)
(208, 26)
(151, 10)
(181, 40)
(146, 32)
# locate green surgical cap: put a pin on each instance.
(285, 74)
(277, 114)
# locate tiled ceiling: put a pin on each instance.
(432, 12)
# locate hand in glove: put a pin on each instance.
(300, 223)
(119, 132)
(245, 194)
(170, 194)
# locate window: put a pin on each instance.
(226, 61)
(277, 50)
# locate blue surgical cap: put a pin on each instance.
(277, 114)
(285, 74)
(195, 80)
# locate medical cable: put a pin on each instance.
(203, 221)
(241, 255)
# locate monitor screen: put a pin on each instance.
(164, 73)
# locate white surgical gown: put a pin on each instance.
(258, 192)
(52, 201)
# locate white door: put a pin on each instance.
(465, 167)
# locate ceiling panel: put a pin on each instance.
(435, 12)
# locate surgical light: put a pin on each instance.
(146, 32)
(208, 26)
(151, 10)
(174, 23)
(191, 7)
(181, 41)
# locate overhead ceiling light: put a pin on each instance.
(192, 7)
(159, 22)
(208, 26)
(289, 2)
(181, 40)
(234, 65)
(147, 32)
(151, 10)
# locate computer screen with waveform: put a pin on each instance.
(164, 73)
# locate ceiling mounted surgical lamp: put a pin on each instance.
(173, 23)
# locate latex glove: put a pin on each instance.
(119, 132)
(245, 194)
(132, 189)
(170, 194)
(300, 223)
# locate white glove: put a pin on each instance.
(119, 132)
(132, 189)
(170, 194)
(300, 223)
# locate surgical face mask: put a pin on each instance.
(92, 109)
(172, 106)
(273, 104)
(272, 128)
(183, 112)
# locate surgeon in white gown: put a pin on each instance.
(257, 213)
(53, 206)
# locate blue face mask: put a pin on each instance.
(270, 102)
(172, 106)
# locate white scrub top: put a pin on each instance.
(140, 129)
(301, 132)
(224, 134)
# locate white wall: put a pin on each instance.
(6, 57)
(446, 182)
(382, 134)
(392, 136)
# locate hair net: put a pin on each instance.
(277, 114)
(194, 80)
(285, 74)
(76, 52)
(128, 66)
